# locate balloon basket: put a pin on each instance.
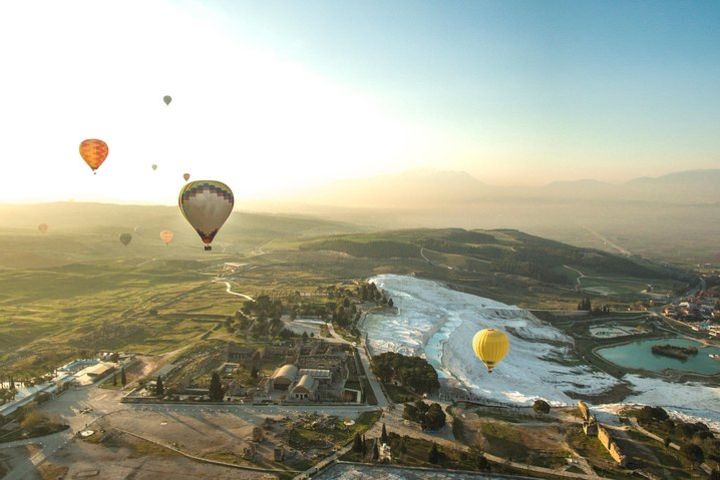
(208, 248)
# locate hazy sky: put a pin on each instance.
(274, 95)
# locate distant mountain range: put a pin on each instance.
(437, 188)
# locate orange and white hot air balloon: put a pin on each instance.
(166, 236)
(43, 227)
(94, 152)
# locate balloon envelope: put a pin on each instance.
(490, 346)
(125, 238)
(43, 227)
(94, 152)
(154, 166)
(186, 176)
(206, 204)
(166, 236)
(167, 99)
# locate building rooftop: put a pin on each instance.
(319, 373)
(288, 371)
(306, 382)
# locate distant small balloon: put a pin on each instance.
(43, 227)
(94, 152)
(166, 236)
(167, 99)
(154, 166)
(139, 230)
(125, 238)
(186, 176)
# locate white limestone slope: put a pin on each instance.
(438, 323)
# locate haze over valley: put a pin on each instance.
(337, 240)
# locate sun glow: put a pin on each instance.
(239, 114)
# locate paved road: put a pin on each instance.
(255, 413)
(67, 406)
(372, 379)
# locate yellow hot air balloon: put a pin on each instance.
(166, 236)
(94, 152)
(490, 346)
(206, 204)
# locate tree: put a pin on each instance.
(650, 414)
(114, 379)
(585, 304)
(254, 372)
(715, 474)
(434, 418)
(434, 455)
(159, 387)
(410, 412)
(402, 447)
(693, 452)
(541, 406)
(384, 436)
(216, 391)
(481, 463)
(413, 372)
(32, 419)
(667, 441)
(12, 384)
(357, 443)
(376, 452)
(390, 302)
(123, 378)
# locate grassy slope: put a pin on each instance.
(506, 264)
(78, 288)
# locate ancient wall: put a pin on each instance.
(584, 411)
(612, 447)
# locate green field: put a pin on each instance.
(77, 289)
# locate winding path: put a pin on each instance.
(228, 289)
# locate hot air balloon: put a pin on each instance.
(154, 166)
(167, 99)
(166, 236)
(94, 152)
(125, 238)
(490, 346)
(43, 227)
(186, 176)
(206, 204)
